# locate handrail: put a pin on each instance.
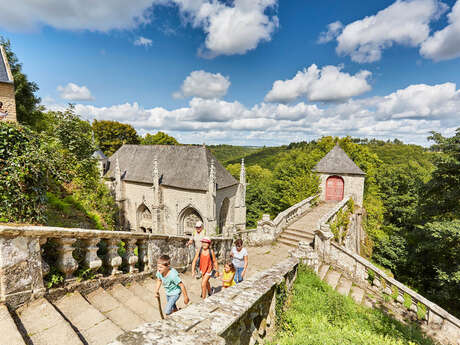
(419, 298)
(328, 216)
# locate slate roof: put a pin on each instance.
(337, 162)
(3, 71)
(179, 166)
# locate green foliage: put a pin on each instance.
(28, 111)
(54, 278)
(421, 311)
(319, 315)
(160, 138)
(407, 300)
(111, 135)
(394, 292)
(339, 226)
(370, 276)
(231, 154)
(24, 174)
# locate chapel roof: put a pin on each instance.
(4, 76)
(337, 162)
(180, 166)
(99, 155)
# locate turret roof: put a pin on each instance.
(337, 162)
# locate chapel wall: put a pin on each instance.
(7, 98)
(353, 185)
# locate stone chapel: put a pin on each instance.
(166, 189)
(8, 104)
(340, 177)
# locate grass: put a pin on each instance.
(319, 315)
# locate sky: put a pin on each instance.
(246, 72)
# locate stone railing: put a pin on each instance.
(22, 267)
(268, 230)
(242, 314)
(439, 324)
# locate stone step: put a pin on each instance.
(142, 292)
(95, 328)
(332, 278)
(344, 286)
(300, 232)
(10, 334)
(131, 301)
(357, 294)
(289, 243)
(323, 271)
(149, 284)
(296, 237)
(45, 326)
(115, 311)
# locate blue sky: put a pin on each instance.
(247, 72)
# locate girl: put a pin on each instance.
(240, 260)
(228, 275)
(208, 266)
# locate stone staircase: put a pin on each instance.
(303, 229)
(95, 318)
(343, 285)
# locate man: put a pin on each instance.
(197, 236)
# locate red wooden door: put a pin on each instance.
(334, 188)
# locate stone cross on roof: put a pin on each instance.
(337, 162)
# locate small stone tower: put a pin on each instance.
(340, 177)
(8, 104)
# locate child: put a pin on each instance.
(207, 264)
(228, 275)
(172, 283)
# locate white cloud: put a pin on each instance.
(101, 15)
(445, 44)
(143, 41)
(320, 84)
(333, 30)
(403, 22)
(73, 92)
(408, 114)
(229, 28)
(204, 85)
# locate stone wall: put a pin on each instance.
(7, 98)
(241, 314)
(353, 186)
(22, 267)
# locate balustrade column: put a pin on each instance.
(129, 257)
(66, 263)
(92, 261)
(45, 266)
(143, 255)
(112, 259)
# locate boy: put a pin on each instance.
(172, 283)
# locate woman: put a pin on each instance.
(3, 112)
(239, 257)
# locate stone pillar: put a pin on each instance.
(157, 219)
(119, 192)
(66, 263)
(21, 270)
(112, 259)
(211, 223)
(240, 202)
(92, 261)
(143, 255)
(130, 258)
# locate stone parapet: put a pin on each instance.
(440, 325)
(242, 314)
(22, 266)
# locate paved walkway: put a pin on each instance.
(303, 229)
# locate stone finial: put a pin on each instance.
(117, 171)
(242, 172)
(212, 172)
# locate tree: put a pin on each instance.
(111, 135)
(28, 110)
(442, 197)
(160, 138)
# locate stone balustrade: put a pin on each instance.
(268, 230)
(439, 324)
(22, 267)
